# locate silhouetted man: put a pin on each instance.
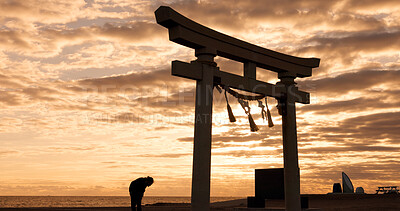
(136, 190)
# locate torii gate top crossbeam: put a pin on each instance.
(191, 34)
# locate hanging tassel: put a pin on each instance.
(253, 126)
(230, 113)
(263, 113)
(218, 88)
(243, 104)
(246, 108)
(270, 123)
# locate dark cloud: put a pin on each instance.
(353, 105)
(10, 82)
(349, 149)
(41, 93)
(74, 148)
(348, 43)
(374, 172)
(10, 98)
(249, 153)
(148, 91)
(232, 137)
(13, 39)
(136, 32)
(5, 153)
(181, 99)
(374, 126)
(371, 129)
(131, 32)
(166, 155)
(370, 4)
(128, 32)
(128, 82)
(126, 117)
(20, 8)
(245, 15)
(17, 6)
(72, 106)
(17, 90)
(352, 81)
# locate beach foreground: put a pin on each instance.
(327, 202)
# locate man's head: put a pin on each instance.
(149, 181)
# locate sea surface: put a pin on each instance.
(90, 201)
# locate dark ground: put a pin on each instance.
(325, 202)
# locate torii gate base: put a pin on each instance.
(208, 44)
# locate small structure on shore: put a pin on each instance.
(269, 184)
(388, 190)
(360, 190)
(347, 184)
(337, 188)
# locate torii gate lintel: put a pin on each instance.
(194, 70)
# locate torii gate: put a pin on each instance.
(208, 44)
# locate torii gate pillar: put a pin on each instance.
(290, 153)
(202, 132)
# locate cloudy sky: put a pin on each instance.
(87, 102)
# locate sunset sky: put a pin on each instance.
(88, 103)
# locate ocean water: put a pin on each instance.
(90, 201)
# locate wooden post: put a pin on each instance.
(249, 69)
(290, 153)
(202, 134)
